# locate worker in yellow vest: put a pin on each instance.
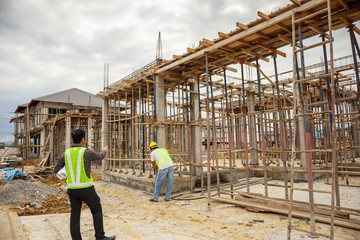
(77, 161)
(162, 159)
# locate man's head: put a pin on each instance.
(77, 136)
(153, 145)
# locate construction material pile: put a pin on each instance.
(11, 161)
(33, 198)
(19, 191)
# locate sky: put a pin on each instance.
(48, 46)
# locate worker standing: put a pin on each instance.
(77, 160)
(162, 159)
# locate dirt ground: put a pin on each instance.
(129, 215)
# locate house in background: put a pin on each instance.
(42, 127)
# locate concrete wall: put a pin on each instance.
(144, 183)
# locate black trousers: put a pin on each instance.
(90, 197)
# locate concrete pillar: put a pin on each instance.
(42, 138)
(356, 130)
(196, 133)
(90, 134)
(16, 135)
(104, 128)
(67, 130)
(27, 135)
(252, 128)
(160, 112)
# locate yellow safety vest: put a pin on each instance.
(75, 170)
(165, 158)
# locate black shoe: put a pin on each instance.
(106, 238)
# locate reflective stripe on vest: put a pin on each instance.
(74, 158)
(165, 158)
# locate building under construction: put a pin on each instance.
(43, 126)
(223, 118)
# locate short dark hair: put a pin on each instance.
(77, 135)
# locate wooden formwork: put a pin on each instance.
(216, 121)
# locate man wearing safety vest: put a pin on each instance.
(77, 160)
(161, 157)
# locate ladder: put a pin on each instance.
(302, 114)
(44, 155)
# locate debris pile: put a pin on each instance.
(58, 203)
(20, 191)
(11, 161)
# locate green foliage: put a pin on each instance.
(2, 145)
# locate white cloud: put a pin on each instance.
(48, 46)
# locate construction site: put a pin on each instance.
(258, 153)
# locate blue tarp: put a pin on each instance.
(205, 156)
(11, 173)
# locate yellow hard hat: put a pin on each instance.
(152, 144)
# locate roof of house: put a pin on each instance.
(74, 96)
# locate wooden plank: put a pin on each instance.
(263, 15)
(266, 17)
(242, 34)
(345, 4)
(177, 56)
(45, 159)
(223, 35)
(49, 136)
(263, 35)
(301, 207)
(319, 31)
(242, 26)
(286, 39)
(248, 203)
(273, 49)
(296, 2)
(191, 50)
(255, 55)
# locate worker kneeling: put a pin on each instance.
(77, 160)
(162, 159)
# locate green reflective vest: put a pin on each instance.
(75, 170)
(165, 158)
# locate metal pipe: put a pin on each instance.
(200, 137)
(261, 128)
(214, 140)
(282, 137)
(245, 132)
(230, 136)
(143, 128)
(208, 133)
(307, 136)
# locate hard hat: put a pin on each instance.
(152, 144)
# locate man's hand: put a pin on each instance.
(106, 148)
